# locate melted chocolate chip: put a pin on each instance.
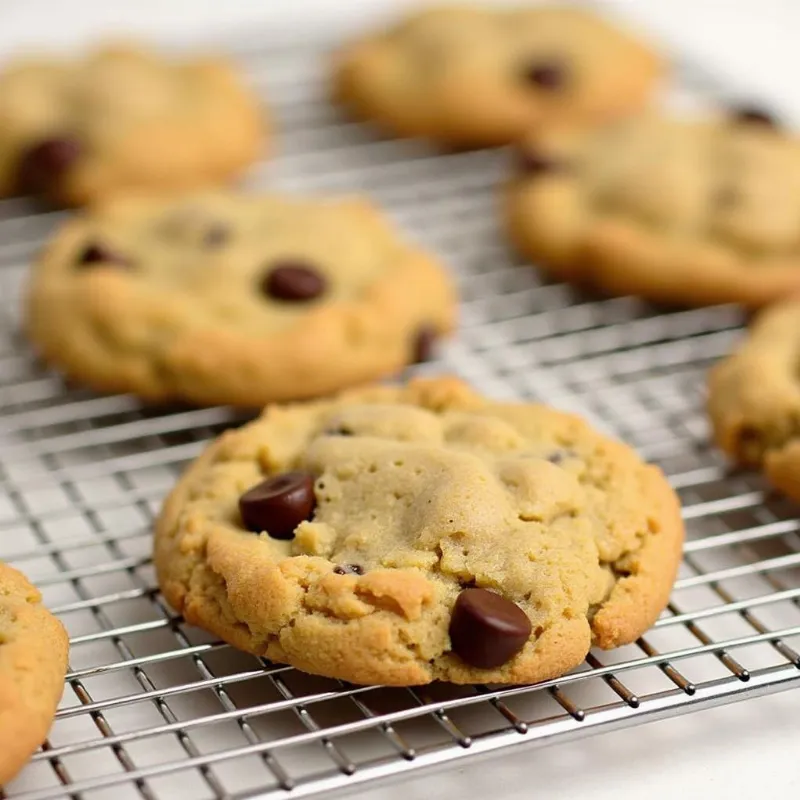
(96, 253)
(339, 430)
(486, 630)
(278, 504)
(45, 163)
(424, 344)
(216, 236)
(750, 115)
(532, 163)
(348, 569)
(293, 281)
(548, 75)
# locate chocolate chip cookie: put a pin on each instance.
(754, 398)
(223, 298)
(121, 118)
(33, 662)
(687, 212)
(405, 534)
(477, 77)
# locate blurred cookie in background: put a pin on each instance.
(690, 212)
(754, 398)
(473, 77)
(123, 117)
(224, 298)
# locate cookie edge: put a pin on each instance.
(23, 725)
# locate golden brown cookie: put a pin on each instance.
(405, 534)
(223, 298)
(33, 662)
(120, 118)
(677, 211)
(754, 398)
(468, 76)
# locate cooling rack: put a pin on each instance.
(156, 709)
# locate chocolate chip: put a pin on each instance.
(216, 236)
(44, 164)
(278, 504)
(95, 253)
(348, 569)
(548, 75)
(559, 456)
(750, 115)
(339, 431)
(293, 281)
(726, 197)
(532, 163)
(424, 344)
(486, 630)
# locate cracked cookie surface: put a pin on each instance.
(689, 212)
(33, 662)
(424, 495)
(754, 398)
(123, 118)
(476, 77)
(224, 298)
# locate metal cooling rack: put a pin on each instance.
(156, 709)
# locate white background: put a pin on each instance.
(742, 751)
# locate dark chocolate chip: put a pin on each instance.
(559, 456)
(45, 163)
(726, 197)
(95, 253)
(548, 75)
(216, 236)
(278, 504)
(532, 163)
(348, 569)
(424, 344)
(486, 630)
(293, 281)
(750, 115)
(339, 431)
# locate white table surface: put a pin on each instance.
(746, 750)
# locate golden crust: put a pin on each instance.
(390, 624)
(33, 662)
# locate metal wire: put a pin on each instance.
(156, 709)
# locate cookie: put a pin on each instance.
(224, 298)
(411, 533)
(33, 662)
(754, 398)
(473, 77)
(123, 118)
(689, 212)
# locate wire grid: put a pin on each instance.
(154, 708)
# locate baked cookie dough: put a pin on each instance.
(676, 211)
(33, 662)
(468, 76)
(120, 118)
(224, 298)
(754, 398)
(405, 534)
